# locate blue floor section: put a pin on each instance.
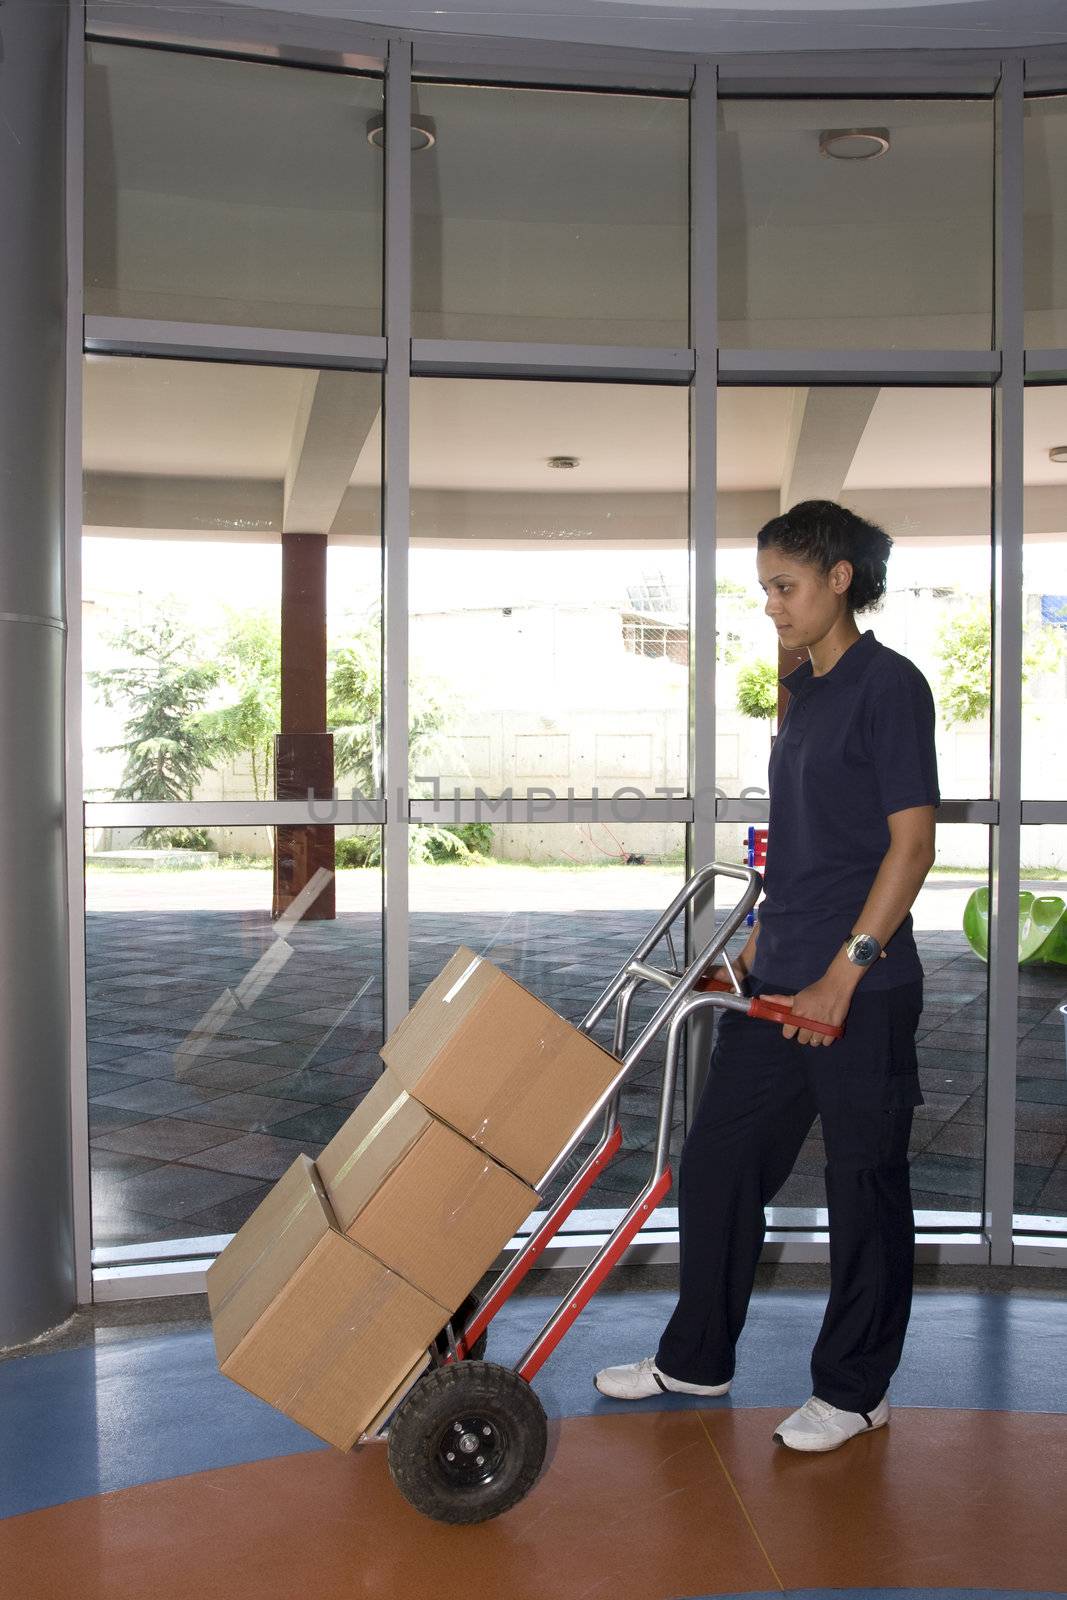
(80, 1422)
(975, 1352)
(894, 1594)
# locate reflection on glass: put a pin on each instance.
(231, 579)
(1044, 774)
(551, 215)
(1045, 221)
(1041, 1084)
(222, 1042)
(869, 449)
(231, 192)
(549, 604)
(559, 908)
(892, 251)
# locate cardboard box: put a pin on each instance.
(410, 1190)
(497, 1064)
(308, 1321)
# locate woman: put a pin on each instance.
(853, 787)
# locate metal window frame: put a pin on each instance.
(477, 358)
(230, 813)
(205, 341)
(703, 512)
(1046, 366)
(1007, 576)
(72, 558)
(911, 368)
(335, 44)
(396, 523)
(617, 807)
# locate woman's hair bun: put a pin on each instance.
(822, 533)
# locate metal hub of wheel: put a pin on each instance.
(471, 1451)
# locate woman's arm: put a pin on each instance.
(899, 879)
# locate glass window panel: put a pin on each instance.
(1041, 1085)
(895, 251)
(560, 908)
(231, 192)
(196, 476)
(549, 215)
(1044, 774)
(1045, 222)
(948, 1139)
(221, 1045)
(549, 605)
(869, 449)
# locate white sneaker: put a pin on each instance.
(821, 1426)
(641, 1379)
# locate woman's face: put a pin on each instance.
(802, 602)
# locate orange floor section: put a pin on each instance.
(645, 1507)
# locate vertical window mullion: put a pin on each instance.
(1007, 666)
(396, 506)
(703, 337)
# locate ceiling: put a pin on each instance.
(190, 419)
(715, 25)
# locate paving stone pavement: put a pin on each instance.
(215, 1059)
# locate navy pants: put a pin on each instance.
(761, 1098)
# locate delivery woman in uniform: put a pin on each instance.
(853, 787)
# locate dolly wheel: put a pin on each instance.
(468, 1442)
(460, 1320)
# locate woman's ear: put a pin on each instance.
(840, 576)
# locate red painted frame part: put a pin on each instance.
(605, 1263)
(526, 1259)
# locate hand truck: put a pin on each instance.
(467, 1440)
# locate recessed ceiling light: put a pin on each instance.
(423, 133)
(853, 144)
(1058, 453)
(563, 463)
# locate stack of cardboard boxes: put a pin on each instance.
(327, 1300)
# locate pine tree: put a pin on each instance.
(164, 687)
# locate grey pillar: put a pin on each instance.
(36, 1229)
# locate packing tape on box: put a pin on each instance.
(369, 1138)
(253, 1265)
(460, 981)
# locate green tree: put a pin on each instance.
(733, 601)
(354, 711)
(757, 690)
(249, 663)
(164, 687)
(964, 650)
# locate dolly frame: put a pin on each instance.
(687, 993)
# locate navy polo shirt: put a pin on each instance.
(855, 745)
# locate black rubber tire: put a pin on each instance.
(472, 1401)
(462, 1317)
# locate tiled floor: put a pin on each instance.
(132, 1471)
(188, 1127)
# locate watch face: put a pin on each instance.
(863, 950)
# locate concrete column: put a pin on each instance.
(36, 1229)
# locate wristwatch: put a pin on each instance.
(862, 949)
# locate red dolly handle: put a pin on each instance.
(769, 1012)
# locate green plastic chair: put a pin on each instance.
(1042, 927)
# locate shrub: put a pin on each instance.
(358, 850)
(176, 839)
(467, 842)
